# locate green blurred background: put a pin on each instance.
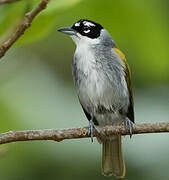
(37, 92)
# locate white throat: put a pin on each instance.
(85, 55)
(80, 40)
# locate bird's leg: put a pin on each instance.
(91, 128)
(129, 125)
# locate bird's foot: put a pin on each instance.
(129, 126)
(91, 129)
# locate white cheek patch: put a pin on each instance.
(87, 31)
(77, 24)
(86, 23)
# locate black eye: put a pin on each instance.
(85, 28)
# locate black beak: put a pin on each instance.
(67, 30)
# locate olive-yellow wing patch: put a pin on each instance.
(130, 113)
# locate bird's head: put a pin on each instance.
(87, 32)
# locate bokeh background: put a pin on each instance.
(37, 92)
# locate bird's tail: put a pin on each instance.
(112, 158)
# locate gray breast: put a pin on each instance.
(100, 83)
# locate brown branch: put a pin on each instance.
(7, 1)
(59, 135)
(21, 29)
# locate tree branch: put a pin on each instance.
(21, 29)
(74, 133)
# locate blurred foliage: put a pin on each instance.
(37, 89)
(13, 14)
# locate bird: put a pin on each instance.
(102, 80)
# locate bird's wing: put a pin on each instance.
(130, 113)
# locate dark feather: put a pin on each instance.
(89, 116)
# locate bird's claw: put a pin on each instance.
(129, 126)
(91, 129)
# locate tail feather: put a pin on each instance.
(112, 158)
